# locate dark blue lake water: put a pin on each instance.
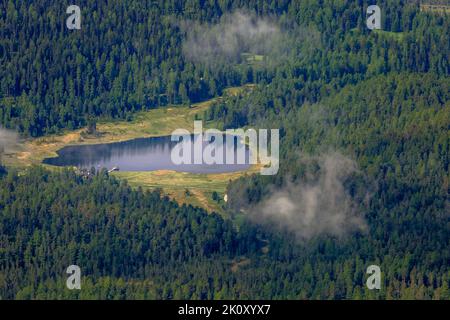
(143, 154)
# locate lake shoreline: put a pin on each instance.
(145, 124)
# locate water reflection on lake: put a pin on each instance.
(143, 154)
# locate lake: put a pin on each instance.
(142, 154)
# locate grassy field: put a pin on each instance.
(156, 122)
(175, 184)
(398, 36)
(250, 57)
(389, 34)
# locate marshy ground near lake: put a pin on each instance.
(189, 188)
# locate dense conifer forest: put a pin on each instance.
(380, 98)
